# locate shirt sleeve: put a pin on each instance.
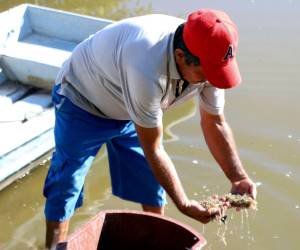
(212, 99)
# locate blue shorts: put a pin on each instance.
(78, 137)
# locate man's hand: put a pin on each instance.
(244, 186)
(194, 210)
(220, 141)
(166, 174)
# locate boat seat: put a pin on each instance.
(23, 120)
(40, 49)
(11, 92)
(36, 41)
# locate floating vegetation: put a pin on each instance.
(234, 200)
(212, 202)
(241, 201)
(238, 201)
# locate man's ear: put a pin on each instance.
(179, 56)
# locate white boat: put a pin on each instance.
(34, 42)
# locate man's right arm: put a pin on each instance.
(165, 172)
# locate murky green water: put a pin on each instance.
(263, 113)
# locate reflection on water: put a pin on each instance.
(175, 116)
(264, 115)
(112, 9)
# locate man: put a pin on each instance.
(114, 89)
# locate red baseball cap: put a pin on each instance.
(212, 36)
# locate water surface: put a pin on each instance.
(263, 113)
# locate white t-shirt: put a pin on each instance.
(127, 71)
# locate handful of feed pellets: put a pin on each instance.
(235, 200)
(241, 201)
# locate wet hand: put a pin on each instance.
(244, 186)
(194, 210)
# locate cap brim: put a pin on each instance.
(224, 76)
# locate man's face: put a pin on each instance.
(191, 73)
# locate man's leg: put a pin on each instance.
(64, 183)
(56, 231)
(131, 176)
(78, 137)
(156, 210)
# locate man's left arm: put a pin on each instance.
(220, 141)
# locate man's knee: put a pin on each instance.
(152, 209)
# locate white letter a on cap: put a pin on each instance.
(229, 53)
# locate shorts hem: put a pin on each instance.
(59, 219)
(142, 201)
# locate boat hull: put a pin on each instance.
(115, 230)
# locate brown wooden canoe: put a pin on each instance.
(120, 230)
